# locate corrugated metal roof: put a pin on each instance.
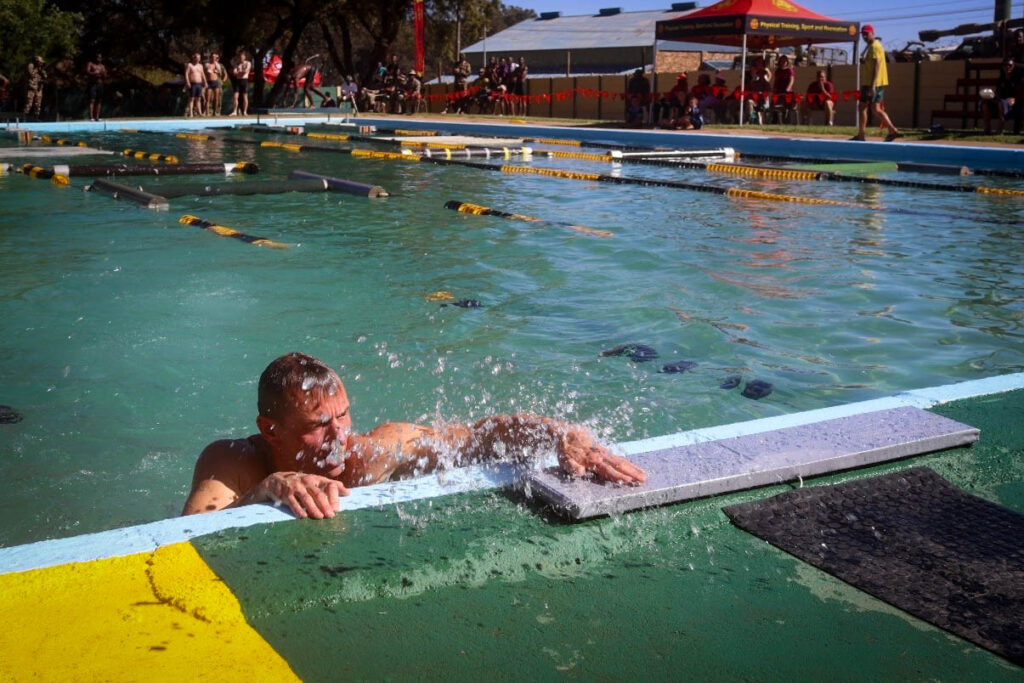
(626, 29)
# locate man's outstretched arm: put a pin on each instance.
(508, 437)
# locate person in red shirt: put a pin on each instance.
(672, 103)
(782, 90)
(820, 97)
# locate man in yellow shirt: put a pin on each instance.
(874, 78)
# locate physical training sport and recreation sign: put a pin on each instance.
(765, 23)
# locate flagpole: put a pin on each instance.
(743, 79)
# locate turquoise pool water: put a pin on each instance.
(130, 341)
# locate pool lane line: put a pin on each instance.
(225, 231)
(62, 141)
(795, 174)
(150, 156)
(148, 537)
(555, 141)
(33, 171)
(477, 210)
(734, 192)
(469, 152)
(246, 167)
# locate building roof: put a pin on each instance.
(591, 31)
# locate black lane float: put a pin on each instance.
(246, 167)
(33, 171)
(341, 185)
(246, 188)
(300, 181)
(225, 231)
(133, 194)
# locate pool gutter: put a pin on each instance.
(148, 537)
(973, 157)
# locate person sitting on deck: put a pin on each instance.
(783, 103)
(759, 85)
(1002, 101)
(819, 97)
(306, 455)
(670, 107)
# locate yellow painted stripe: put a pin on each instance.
(399, 131)
(156, 616)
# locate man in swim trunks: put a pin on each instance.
(307, 73)
(195, 82)
(240, 83)
(95, 75)
(215, 75)
(306, 455)
(874, 77)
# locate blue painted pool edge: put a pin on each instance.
(974, 157)
(148, 537)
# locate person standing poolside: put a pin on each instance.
(215, 75)
(306, 454)
(195, 82)
(240, 83)
(95, 76)
(874, 78)
(35, 76)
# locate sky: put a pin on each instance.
(896, 21)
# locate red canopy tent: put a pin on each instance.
(758, 25)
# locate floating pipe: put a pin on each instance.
(341, 185)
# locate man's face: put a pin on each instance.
(314, 432)
(867, 35)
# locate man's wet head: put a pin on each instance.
(304, 412)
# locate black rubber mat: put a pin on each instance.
(913, 540)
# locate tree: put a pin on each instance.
(34, 27)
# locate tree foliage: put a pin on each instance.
(34, 27)
(344, 36)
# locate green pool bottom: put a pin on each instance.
(482, 586)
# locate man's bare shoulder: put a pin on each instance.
(238, 457)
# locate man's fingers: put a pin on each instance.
(296, 507)
(629, 469)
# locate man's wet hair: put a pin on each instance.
(290, 376)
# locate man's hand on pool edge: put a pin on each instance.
(579, 455)
(308, 495)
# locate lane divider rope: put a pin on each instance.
(477, 210)
(225, 231)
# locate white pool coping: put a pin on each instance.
(149, 537)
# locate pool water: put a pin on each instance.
(131, 341)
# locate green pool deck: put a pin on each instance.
(482, 585)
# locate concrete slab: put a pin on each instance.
(736, 463)
(46, 152)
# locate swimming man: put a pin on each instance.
(306, 455)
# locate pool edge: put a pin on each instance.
(148, 537)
